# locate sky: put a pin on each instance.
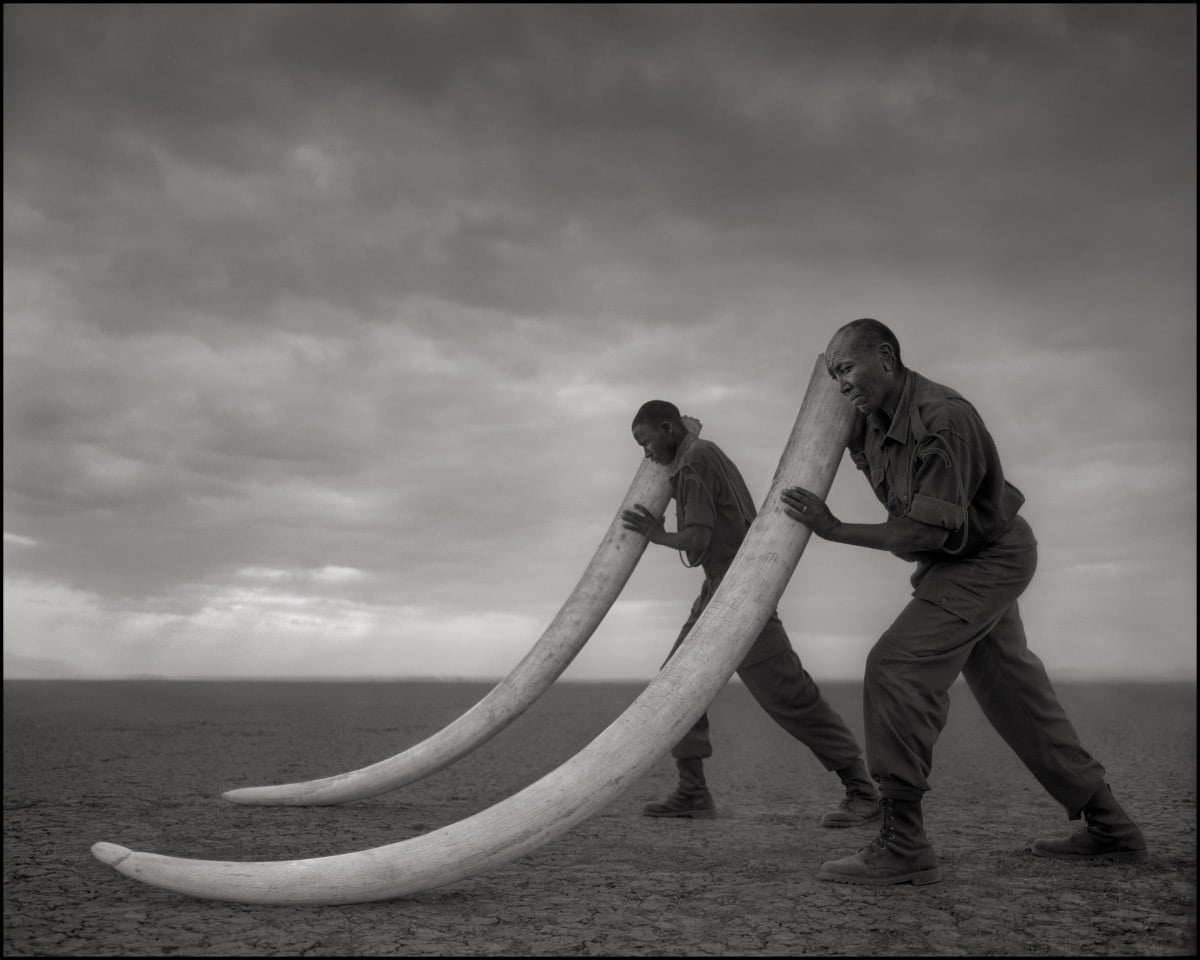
(324, 326)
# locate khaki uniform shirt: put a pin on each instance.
(710, 492)
(936, 463)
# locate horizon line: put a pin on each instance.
(429, 678)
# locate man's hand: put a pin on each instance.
(643, 522)
(809, 509)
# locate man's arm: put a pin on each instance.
(903, 535)
(692, 538)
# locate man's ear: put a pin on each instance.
(667, 428)
(887, 357)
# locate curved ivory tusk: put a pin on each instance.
(603, 769)
(576, 621)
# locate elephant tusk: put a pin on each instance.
(576, 621)
(613, 761)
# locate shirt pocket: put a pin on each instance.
(886, 492)
(961, 601)
(878, 475)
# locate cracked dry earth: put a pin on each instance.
(143, 764)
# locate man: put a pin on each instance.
(934, 466)
(713, 511)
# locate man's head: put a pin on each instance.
(658, 429)
(864, 358)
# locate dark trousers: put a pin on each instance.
(964, 619)
(783, 688)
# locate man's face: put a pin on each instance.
(658, 442)
(865, 376)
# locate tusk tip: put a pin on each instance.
(110, 853)
(251, 796)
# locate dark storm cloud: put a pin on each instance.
(473, 147)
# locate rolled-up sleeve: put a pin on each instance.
(942, 481)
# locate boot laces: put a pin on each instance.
(880, 843)
(876, 846)
(887, 830)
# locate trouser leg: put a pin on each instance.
(906, 694)
(964, 617)
(1012, 688)
(790, 696)
(911, 668)
(695, 744)
(691, 798)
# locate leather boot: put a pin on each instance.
(861, 803)
(1109, 835)
(900, 854)
(690, 799)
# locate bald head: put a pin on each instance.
(864, 336)
(864, 358)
